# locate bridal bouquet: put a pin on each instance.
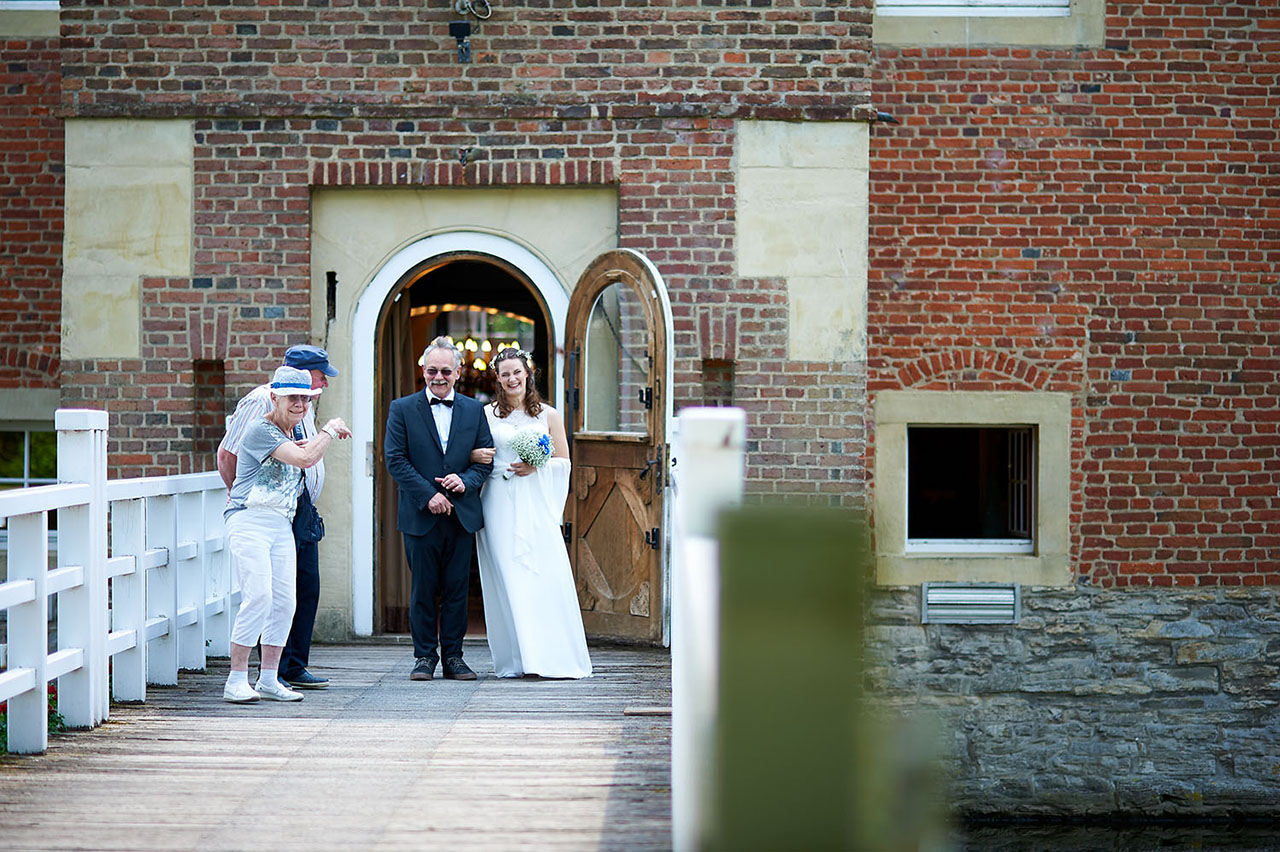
(532, 446)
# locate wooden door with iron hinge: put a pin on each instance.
(615, 365)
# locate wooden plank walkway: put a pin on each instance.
(375, 762)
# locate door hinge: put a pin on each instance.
(652, 539)
(566, 530)
(646, 397)
(572, 375)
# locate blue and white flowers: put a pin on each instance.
(532, 446)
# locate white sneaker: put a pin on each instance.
(277, 692)
(240, 693)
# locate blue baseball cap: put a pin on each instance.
(304, 356)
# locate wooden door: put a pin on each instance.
(615, 346)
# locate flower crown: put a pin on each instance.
(511, 352)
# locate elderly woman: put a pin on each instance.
(259, 519)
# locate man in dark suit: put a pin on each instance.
(428, 446)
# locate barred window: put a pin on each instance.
(970, 489)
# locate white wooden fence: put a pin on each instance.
(710, 457)
(157, 598)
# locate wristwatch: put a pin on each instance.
(333, 433)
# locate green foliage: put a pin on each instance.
(44, 455)
(56, 723)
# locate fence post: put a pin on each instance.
(188, 564)
(129, 600)
(710, 458)
(217, 567)
(29, 633)
(162, 593)
(83, 696)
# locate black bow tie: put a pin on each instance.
(435, 400)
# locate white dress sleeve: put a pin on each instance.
(540, 499)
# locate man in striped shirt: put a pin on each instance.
(255, 405)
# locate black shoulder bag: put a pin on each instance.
(307, 523)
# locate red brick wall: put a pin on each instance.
(30, 213)
(608, 59)
(1103, 222)
(639, 97)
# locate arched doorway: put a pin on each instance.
(443, 282)
(483, 305)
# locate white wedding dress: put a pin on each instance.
(530, 604)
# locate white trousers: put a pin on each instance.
(265, 559)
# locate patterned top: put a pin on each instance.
(254, 406)
(263, 481)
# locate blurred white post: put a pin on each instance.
(710, 458)
(84, 699)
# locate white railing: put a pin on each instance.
(156, 599)
(710, 453)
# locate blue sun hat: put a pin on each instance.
(288, 381)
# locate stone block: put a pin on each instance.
(1140, 607)
(1251, 678)
(1074, 790)
(1157, 795)
(1113, 686)
(1061, 675)
(1183, 679)
(101, 316)
(1250, 594)
(1172, 731)
(1070, 600)
(1187, 628)
(1220, 611)
(799, 222)
(1212, 652)
(1002, 679)
(991, 644)
(895, 636)
(1247, 628)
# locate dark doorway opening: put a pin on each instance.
(482, 304)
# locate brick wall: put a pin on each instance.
(640, 97)
(31, 159)
(612, 58)
(1102, 222)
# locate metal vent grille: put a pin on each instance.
(970, 603)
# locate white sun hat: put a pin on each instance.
(288, 381)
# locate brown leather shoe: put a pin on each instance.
(456, 669)
(423, 669)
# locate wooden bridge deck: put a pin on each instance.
(375, 762)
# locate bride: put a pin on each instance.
(530, 604)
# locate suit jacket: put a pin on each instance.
(414, 459)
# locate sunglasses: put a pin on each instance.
(444, 371)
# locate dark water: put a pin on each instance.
(1129, 838)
